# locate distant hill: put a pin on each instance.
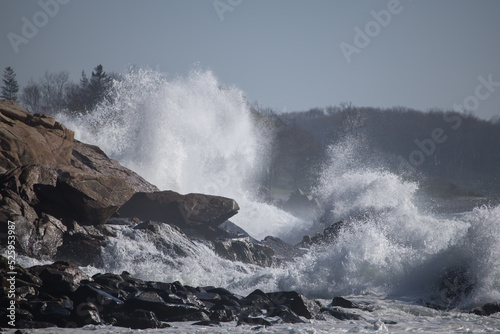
(455, 148)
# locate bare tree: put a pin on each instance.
(31, 97)
(53, 88)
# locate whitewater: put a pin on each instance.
(396, 255)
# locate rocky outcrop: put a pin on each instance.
(197, 215)
(27, 139)
(52, 184)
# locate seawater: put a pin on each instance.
(191, 134)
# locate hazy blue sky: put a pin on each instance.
(285, 54)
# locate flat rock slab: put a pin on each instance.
(189, 210)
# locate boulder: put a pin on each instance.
(87, 199)
(296, 302)
(342, 302)
(340, 314)
(245, 250)
(487, 309)
(60, 278)
(41, 238)
(138, 319)
(196, 214)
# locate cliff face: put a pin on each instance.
(51, 185)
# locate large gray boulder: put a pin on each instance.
(196, 214)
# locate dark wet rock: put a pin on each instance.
(105, 302)
(234, 231)
(246, 251)
(258, 299)
(222, 313)
(87, 313)
(282, 249)
(342, 302)
(85, 198)
(328, 235)
(68, 298)
(197, 215)
(23, 276)
(201, 315)
(340, 314)
(164, 311)
(30, 197)
(296, 302)
(250, 320)
(81, 249)
(138, 319)
(487, 309)
(59, 278)
(285, 314)
(208, 296)
(208, 323)
(55, 312)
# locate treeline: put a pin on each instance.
(55, 93)
(439, 145)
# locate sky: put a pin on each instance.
(288, 55)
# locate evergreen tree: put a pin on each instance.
(98, 86)
(10, 86)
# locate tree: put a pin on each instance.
(99, 85)
(53, 88)
(78, 95)
(10, 86)
(31, 97)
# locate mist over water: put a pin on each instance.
(193, 135)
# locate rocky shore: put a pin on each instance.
(62, 295)
(63, 197)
